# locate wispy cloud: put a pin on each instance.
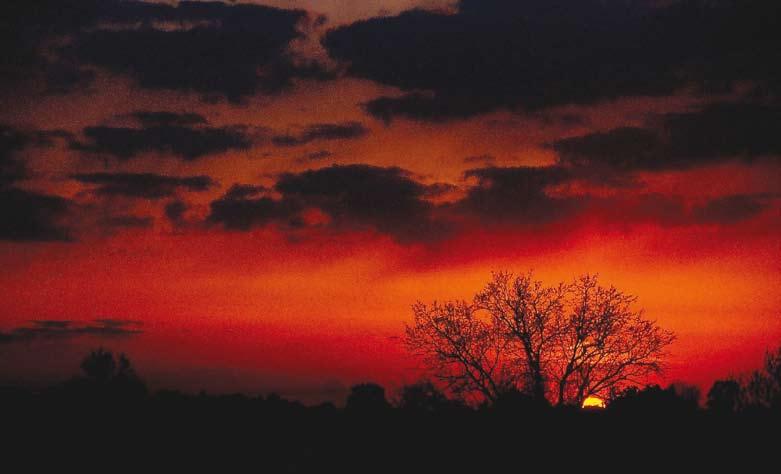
(64, 329)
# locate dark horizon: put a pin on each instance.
(107, 416)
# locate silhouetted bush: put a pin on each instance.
(424, 397)
(367, 398)
(763, 389)
(652, 400)
(107, 377)
(724, 397)
(517, 403)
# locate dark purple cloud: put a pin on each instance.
(142, 185)
(536, 54)
(42, 330)
(323, 131)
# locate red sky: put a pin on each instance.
(304, 286)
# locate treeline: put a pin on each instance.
(107, 418)
(112, 379)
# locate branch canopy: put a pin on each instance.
(561, 343)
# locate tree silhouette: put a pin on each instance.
(112, 376)
(651, 401)
(724, 396)
(423, 397)
(462, 348)
(99, 365)
(367, 398)
(763, 389)
(562, 343)
(516, 402)
(687, 393)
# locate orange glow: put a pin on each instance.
(268, 307)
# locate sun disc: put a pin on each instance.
(593, 402)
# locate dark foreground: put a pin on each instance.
(171, 432)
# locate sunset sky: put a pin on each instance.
(249, 196)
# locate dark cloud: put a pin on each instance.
(516, 194)
(183, 135)
(742, 130)
(715, 133)
(428, 107)
(237, 211)
(323, 131)
(175, 210)
(316, 156)
(26, 26)
(244, 191)
(27, 216)
(216, 49)
(560, 120)
(624, 149)
(11, 168)
(113, 323)
(730, 209)
(13, 141)
(245, 206)
(440, 189)
(48, 138)
(525, 196)
(142, 185)
(62, 77)
(162, 118)
(55, 330)
(534, 54)
(392, 202)
(355, 197)
(228, 50)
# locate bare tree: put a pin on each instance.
(529, 318)
(464, 350)
(562, 343)
(604, 344)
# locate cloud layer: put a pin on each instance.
(323, 131)
(215, 49)
(718, 132)
(63, 329)
(186, 136)
(505, 54)
(393, 202)
(142, 185)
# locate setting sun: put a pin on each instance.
(593, 402)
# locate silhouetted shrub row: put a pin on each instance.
(111, 379)
(107, 418)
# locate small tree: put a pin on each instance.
(367, 398)
(562, 343)
(423, 397)
(99, 366)
(109, 375)
(763, 389)
(724, 396)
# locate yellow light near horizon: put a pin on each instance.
(593, 402)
